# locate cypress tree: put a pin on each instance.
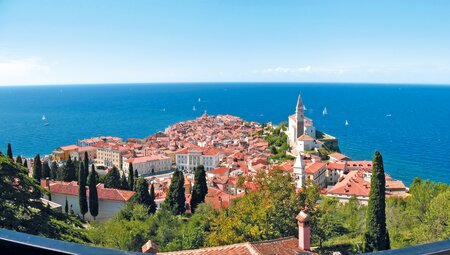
(76, 165)
(69, 171)
(152, 208)
(93, 195)
(376, 237)
(82, 199)
(66, 207)
(25, 163)
(19, 160)
(124, 182)
(142, 196)
(46, 170)
(54, 171)
(86, 165)
(130, 177)
(112, 179)
(136, 176)
(37, 168)
(9, 152)
(200, 188)
(176, 200)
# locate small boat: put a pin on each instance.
(346, 122)
(388, 115)
(45, 120)
(304, 108)
(193, 108)
(325, 112)
(199, 99)
(261, 115)
(163, 109)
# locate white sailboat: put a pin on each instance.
(325, 112)
(45, 120)
(346, 122)
(199, 99)
(304, 108)
(193, 108)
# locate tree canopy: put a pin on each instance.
(112, 179)
(176, 200)
(22, 210)
(376, 237)
(200, 188)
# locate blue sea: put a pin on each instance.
(409, 124)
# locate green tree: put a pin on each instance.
(376, 237)
(112, 179)
(131, 177)
(124, 182)
(68, 173)
(19, 160)
(54, 170)
(200, 188)
(142, 195)
(46, 173)
(82, 199)
(93, 195)
(86, 165)
(136, 176)
(37, 168)
(437, 218)
(176, 201)
(326, 222)
(9, 152)
(66, 207)
(25, 163)
(152, 208)
(22, 210)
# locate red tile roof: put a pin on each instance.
(336, 166)
(281, 246)
(315, 167)
(146, 159)
(219, 171)
(353, 185)
(71, 188)
(69, 147)
(338, 156)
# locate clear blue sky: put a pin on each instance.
(63, 42)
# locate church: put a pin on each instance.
(301, 131)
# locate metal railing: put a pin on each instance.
(12, 242)
(436, 248)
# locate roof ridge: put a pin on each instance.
(274, 240)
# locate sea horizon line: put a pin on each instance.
(304, 83)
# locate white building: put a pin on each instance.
(111, 156)
(301, 131)
(110, 201)
(148, 164)
(307, 143)
(299, 171)
(334, 172)
(188, 159)
(316, 172)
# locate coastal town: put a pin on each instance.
(229, 152)
(232, 152)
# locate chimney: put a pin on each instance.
(149, 247)
(304, 231)
(45, 183)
